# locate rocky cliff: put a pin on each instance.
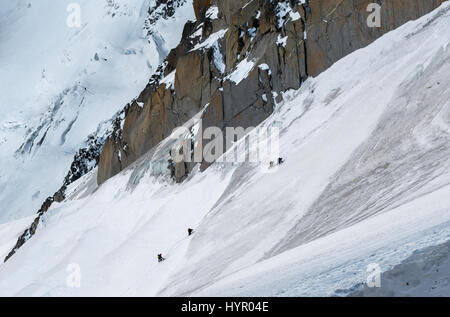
(238, 56)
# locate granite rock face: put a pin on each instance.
(200, 7)
(236, 59)
(335, 31)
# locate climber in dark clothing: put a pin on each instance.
(160, 258)
(190, 231)
(279, 162)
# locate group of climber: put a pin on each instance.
(190, 233)
(280, 161)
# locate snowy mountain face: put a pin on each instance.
(365, 181)
(66, 73)
(236, 60)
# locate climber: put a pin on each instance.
(280, 161)
(190, 231)
(161, 258)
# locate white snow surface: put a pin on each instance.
(425, 273)
(366, 180)
(57, 84)
(241, 71)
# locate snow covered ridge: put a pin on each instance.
(366, 180)
(63, 86)
(161, 9)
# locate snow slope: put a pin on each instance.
(9, 233)
(366, 180)
(425, 273)
(59, 84)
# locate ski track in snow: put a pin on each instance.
(365, 181)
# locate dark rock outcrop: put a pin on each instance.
(335, 31)
(57, 197)
(161, 9)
